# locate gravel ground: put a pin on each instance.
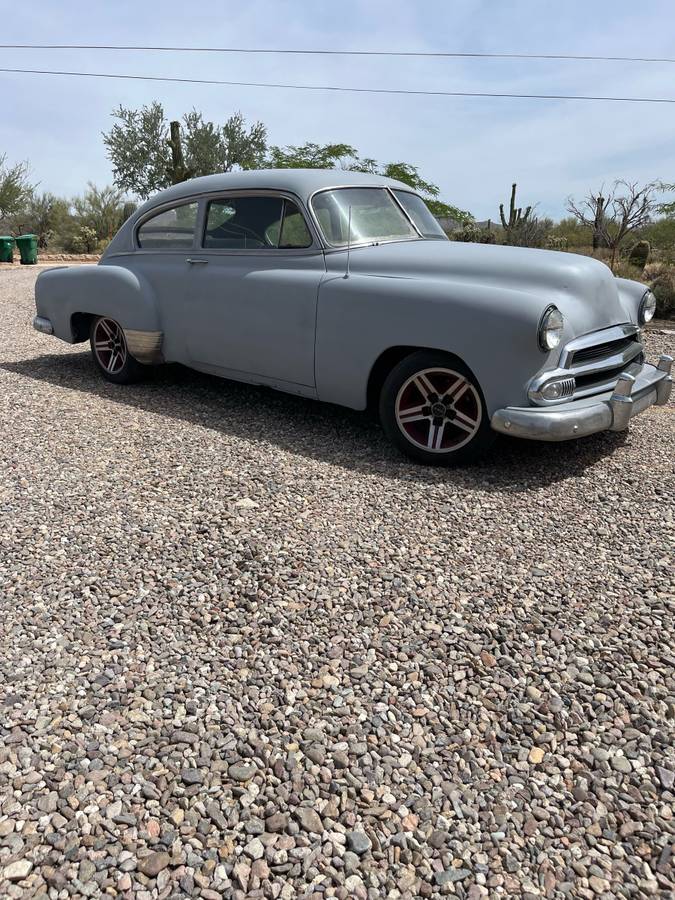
(248, 651)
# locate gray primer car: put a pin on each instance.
(341, 286)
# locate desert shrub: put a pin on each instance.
(473, 233)
(661, 236)
(84, 240)
(556, 242)
(532, 232)
(623, 269)
(661, 279)
(101, 210)
(576, 235)
(664, 291)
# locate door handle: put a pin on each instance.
(197, 262)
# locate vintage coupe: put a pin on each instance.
(342, 287)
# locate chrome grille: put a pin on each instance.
(568, 386)
(596, 360)
(601, 351)
(591, 364)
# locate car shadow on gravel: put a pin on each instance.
(320, 431)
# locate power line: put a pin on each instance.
(341, 89)
(396, 53)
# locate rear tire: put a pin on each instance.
(433, 410)
(111, 354)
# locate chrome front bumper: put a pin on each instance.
(611, 411)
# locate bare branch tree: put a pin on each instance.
(626, 208)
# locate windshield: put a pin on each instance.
(422, 217)
(375, 216)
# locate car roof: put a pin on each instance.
(302, 182)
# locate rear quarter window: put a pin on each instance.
(171, 229)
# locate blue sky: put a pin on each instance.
(472, 148)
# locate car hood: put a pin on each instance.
(584, 289)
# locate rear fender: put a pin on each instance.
(66, 295)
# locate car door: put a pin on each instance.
(165, 239)
(252, 289)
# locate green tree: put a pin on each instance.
(572, 232)
(101, 210)
(410, 175)
(667, 209)
(313, 156)
(137, 146)
(44, 215)
(15, 187)
(149, 153)
(344, 156)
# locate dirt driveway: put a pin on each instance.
(248, 651)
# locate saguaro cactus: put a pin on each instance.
(599, 222)
(517, 217)
(177, 171)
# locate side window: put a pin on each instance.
(255, 223)
(172, 229)
(294, 231)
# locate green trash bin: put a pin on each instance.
(6, 248)
(28, 248)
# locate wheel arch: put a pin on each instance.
(80, 326)
(390, 358)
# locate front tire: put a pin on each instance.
(111, 354)
(432, 408)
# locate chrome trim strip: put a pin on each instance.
(369, 243)
(43, 325)
(604, 336)
(535, 393)
(608, 362)
(145, 346)
(203, 199)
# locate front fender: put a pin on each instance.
(100, 290)
(631, 294)
(494, 332)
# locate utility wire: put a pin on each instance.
(340, 89)
(396, 53)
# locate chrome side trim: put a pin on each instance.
(145, 346)
(203, 198)
(43, 325)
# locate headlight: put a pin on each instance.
(550, 328)
(647, 308)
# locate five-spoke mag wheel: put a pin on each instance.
(111, 354)
(110, 346)
(432, 408)
(438, 410)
